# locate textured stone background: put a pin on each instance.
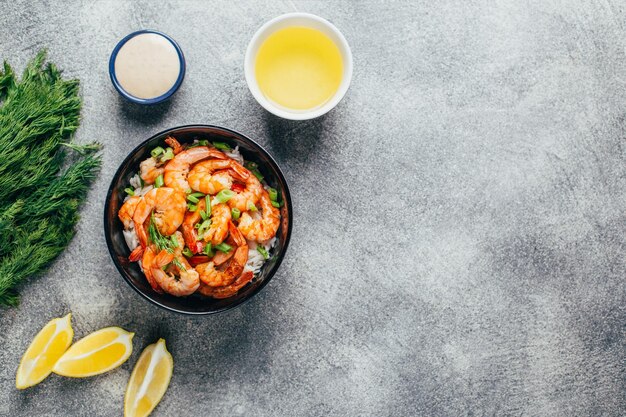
(459, 236)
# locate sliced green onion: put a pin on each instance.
(192, 207)
(129, 191)
(235, 213)
(221, 146)
(188, 191)
(159, 181)
(223, 247)
(273, 194)
(251, 206)
(194, 197)
(254, 168)
(263, 252)
(187, 252)
(204, 226)
(157, 151)
(208, 250)
(224, 195)
(207, 203)
(169, 154)
(201, 142)
(257, 174)
(174, 241)
(277, 204)
(203, 215)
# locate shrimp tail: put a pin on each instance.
(136, 254)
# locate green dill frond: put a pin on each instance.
(160, 241)
(39, 202)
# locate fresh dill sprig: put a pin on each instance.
(168, 243)
(161, 242)
(177, 263)
(41, 189)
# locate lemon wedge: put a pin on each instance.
(96, 353)
(149, 380)
(44, 351)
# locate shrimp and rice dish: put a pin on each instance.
(198, 219)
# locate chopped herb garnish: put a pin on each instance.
(161, 242)
(129, 191)
(224, 195)
(222, 146)
(254, 168)
(263, 252)
(273, 194)
(169, 154)
(194, 197)
(157, 151)
(207, 203)
(208, 250)
(235, 213)
(187, 252)
(223, 247)
(202, 229)
(251, 206)
(159, 181)
(179, 265)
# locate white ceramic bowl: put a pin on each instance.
(306, 20)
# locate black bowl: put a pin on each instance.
(194, 304)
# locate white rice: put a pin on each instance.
(130, 236)
(235, 154)
(255, 259)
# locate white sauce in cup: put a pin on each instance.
(147, 66)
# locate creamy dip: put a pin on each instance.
(147, 66)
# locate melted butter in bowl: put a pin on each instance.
(147, 67)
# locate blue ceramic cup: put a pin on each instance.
(152, 100)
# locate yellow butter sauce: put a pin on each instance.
(299, 68)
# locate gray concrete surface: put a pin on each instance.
(459, 241)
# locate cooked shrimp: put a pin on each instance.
(211, 176)
(176, 146)
(218, 278)
(220, 220)
(149, 170)
(146, 262)
(136, 254)
(176, 170)
(168, 206)
(190, 233)
(127, 210)
(227, 290)
(217, 231)
(249, 195)
(180, 280)
(221, 257)
(264, 228)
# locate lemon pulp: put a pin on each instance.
(44, 351)
(96, 353)
(148, 381)
(299, 68)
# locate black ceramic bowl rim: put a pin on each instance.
(153, 100)
(286, 198)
